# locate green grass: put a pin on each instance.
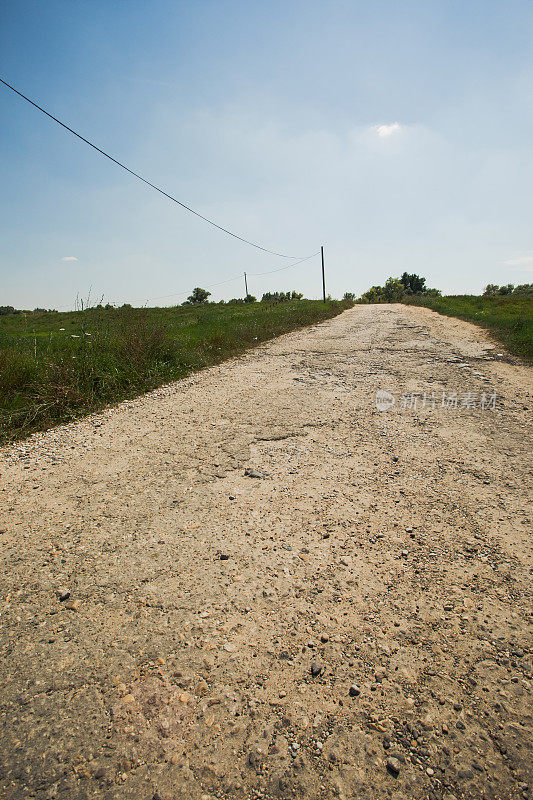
(508, 317)
(49, 376)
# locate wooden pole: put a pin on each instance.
(245, 285)
(323, 275)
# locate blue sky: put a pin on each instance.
(399, 135)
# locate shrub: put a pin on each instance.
(524, 288)
(198, 296)
(281, 297)
(396, 289)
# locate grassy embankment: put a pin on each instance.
(509, 318)
(49, 375)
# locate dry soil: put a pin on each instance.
(352, 622)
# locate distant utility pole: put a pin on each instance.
(323, 275)
(245, 285)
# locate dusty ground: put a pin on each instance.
(352, 625)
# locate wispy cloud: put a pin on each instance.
(384, 131)
(520, 264)
(69, 258)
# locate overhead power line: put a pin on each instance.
(280, 269)
(144, 180)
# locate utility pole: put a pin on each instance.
(245, 285)
(323, 275)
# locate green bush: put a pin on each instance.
(396, 289)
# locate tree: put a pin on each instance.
(373, 295)
(281, 297)
(250, 299)
(413, 284)
(394, 290)
(198, 296)
(491, 289)
(523, 288)
(506, 289)
(349, 296)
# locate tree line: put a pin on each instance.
(492, 289)
(200, 296)
(395, 289)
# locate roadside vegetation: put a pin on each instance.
(55, 366)
(396, 289)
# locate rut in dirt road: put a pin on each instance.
(351, 621)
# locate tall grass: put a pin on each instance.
(508, 317)
(57, 367)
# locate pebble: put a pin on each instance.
(354, 690)
(393, 766)
(62, 594)
(465, 774)
(316, 670)
(255, 473)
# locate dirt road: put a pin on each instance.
(351, 623)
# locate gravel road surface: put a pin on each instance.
(350, 619)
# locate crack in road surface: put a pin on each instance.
(352, 621)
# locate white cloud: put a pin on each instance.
(384, 131)
(69, 258)
(520, 264)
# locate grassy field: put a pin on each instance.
(508, 317)
(55, 367)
